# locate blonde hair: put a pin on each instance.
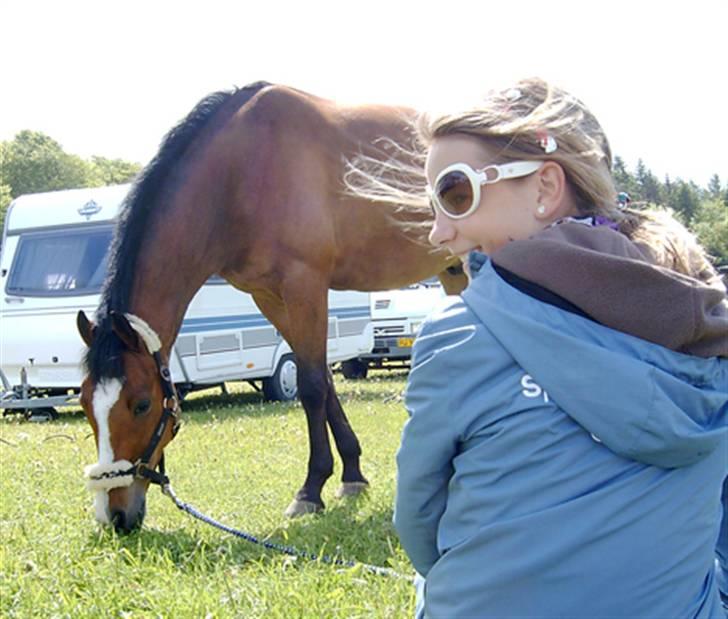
(670, 244)
(514, 122)
(518, 123)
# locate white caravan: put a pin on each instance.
(396, 316)
(53, 262)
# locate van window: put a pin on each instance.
(60, 263)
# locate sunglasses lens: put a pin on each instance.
(454, 193)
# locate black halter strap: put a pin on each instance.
(170, 412)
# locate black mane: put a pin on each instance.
(103, 358)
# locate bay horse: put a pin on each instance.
(248, 186)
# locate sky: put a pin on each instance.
(110, 79)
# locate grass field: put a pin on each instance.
(236, 459)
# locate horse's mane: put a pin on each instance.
(103, 358)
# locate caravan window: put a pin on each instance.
(60, 263)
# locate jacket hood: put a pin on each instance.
(642, 400)
(615, 282)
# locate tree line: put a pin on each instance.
(32, 162)
(704, 211)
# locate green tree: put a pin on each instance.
(649, 186)
(668, 192)
(5, 195)
(5, 199)
(623, 180)
(714, 188)
(34, 162)
(686, 201)
(113, 171)
(710, 224)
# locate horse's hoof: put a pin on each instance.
(300, 508)
(351, 488)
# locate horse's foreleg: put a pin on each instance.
(302, 319)
(353, 481)
(304, 301)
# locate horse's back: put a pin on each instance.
(295, 113)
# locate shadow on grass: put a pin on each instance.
(225, 405)
(381, 386)
(66, 414)
(343, 530)
(339, 532)
(198, 408)
(368, 389)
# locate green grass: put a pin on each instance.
(236, 459)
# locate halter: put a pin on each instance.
(170, 411)
(122, 473)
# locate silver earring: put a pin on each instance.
(541, 209)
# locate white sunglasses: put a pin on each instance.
(457, 188)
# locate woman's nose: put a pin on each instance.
(442, 230)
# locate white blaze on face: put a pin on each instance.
(101, 506)
(105, 396)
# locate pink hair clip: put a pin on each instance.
(547, 142)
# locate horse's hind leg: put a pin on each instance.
(347, 444)
(312, 390)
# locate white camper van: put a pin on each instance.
(53, 262)
(396, 317)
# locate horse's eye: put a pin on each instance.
(142, 407)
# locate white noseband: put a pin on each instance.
(103, 476)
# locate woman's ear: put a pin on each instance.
(552, 193)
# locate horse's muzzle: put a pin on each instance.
(126, 521)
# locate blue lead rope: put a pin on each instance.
(289, 550)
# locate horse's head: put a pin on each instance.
(129, 401)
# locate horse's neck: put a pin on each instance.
(169, 274)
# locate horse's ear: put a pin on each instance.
(126, 333)
(85, 327)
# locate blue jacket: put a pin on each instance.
(553, 467)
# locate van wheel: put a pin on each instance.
(354, 369)
(283, 385)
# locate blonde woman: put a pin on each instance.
(567, 442)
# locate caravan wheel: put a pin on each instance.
(283, 385)
(355, 369)
(41, 414)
